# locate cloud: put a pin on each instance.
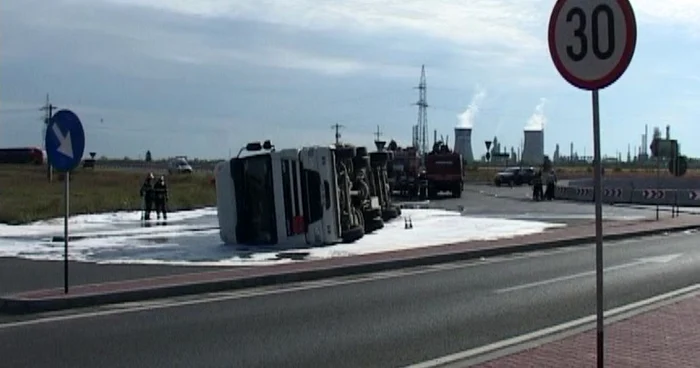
(466, 118)
(538, 119)
(685, 13)
(513, 25)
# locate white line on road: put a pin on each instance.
(472, 353)
(116, 309)
(641, 261)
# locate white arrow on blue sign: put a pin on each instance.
(65, 141)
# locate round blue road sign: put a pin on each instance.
(65, 141)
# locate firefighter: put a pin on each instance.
(161, 197)
(147, 194)
(551, 181)
(537, 186)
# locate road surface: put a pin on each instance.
(382, 320)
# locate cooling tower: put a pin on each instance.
(533, 148)
(463, 143)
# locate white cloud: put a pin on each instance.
(538, 119)
(669, 12)
(514, 25)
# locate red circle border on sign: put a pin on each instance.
(617, 71)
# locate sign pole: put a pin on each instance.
(658, 179)
(598, 191)
(66, 192)
(65, 145)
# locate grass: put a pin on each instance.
(27, 196)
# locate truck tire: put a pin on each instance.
(373, 225)
(345, 153)
(353, 234)
(361, 151)
(390, 213)
(379, 158)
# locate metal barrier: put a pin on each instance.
(611, 195)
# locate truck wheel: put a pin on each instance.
(353, 234)
(361, 151)
(378, 158)
(390, 213)
(345, 153)
(373, 225)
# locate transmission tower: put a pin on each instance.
(337, 128)
(422, 126)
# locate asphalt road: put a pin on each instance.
(384, 320)
(477, 200)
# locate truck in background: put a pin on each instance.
(22, 155)
(444, 171)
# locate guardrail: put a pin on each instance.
(582, 190)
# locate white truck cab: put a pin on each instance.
(285, 198)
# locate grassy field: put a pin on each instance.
(26, 195)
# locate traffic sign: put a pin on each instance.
(488, 145)
(592, 42)
(488, 156)
(65, 145)
(65, 141)
(678, 167)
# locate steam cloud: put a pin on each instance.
(537, 120)
(466, 118)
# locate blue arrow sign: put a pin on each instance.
(65, 141)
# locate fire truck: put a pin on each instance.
(294, 198)
(444, 171)
(405, 172)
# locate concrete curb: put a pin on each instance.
(22, 305)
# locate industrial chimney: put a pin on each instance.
(463, 143)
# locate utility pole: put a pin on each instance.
(337, 128)
(48, 109)
(378, 134)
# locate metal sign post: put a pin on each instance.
(591, 44)
(65, 145)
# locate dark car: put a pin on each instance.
(515, 176)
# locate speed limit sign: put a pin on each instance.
(592, 42)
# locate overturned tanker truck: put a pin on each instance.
(312, 196)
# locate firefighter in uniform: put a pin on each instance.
(147, 194)
(161, 197)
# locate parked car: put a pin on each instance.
(179, 166)
(514, 176)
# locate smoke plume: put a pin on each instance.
(466, 118)
(538, 119)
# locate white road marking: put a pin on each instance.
(641, 261)
(251, 293)
(472, 353)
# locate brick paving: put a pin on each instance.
(666, 337)
(580, 234)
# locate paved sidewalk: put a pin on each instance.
(237, 278)
(666, 337)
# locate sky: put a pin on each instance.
(201, 78)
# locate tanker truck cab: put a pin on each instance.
(278, 198)
(320, 185)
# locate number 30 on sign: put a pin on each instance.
(592, 42)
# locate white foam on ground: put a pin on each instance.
(431, 227)
(104, 221)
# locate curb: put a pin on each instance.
(19, 305)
